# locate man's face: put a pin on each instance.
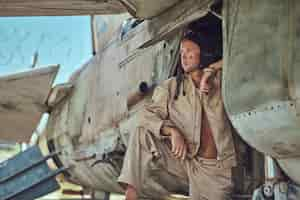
(190, 55)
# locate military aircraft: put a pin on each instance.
(136, 47)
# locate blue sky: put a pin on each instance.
(58, 40)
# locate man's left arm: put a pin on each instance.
(208, 74)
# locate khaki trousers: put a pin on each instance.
(150, 167)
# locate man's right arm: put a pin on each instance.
(166, 130)
(155, 117)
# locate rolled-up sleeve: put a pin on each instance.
(156, 114)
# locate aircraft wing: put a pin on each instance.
(138, 8)
(60, 7)
(22, 102)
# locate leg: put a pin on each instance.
(209, 180)
(146, 165)
(131, 193)
(135, 164)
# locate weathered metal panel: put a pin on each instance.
(120, 70)
(160, 27)
(23, 99)
(261, 76)
(106, 27)
(179, 16)
(138, 8)
(76, 105)
(149, 31)
(148, 9)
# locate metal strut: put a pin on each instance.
(27, 176)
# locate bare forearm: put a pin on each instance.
(179, 147)
(166, 130)
(217, 65)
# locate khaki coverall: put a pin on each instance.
(148, 151)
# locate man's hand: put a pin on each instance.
(217, 65)
(206, 81)
(179, 147)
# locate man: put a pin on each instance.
(185, 130)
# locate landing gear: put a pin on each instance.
(276, 187)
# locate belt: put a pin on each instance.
(229, 162)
